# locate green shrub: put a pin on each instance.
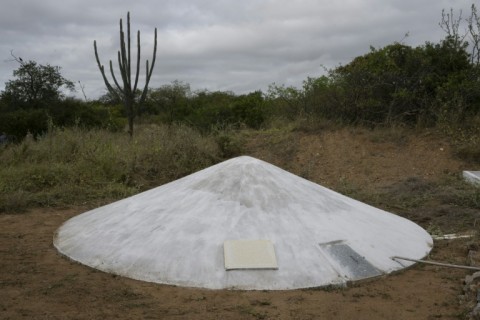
(465, 137)
(21, 122)
(229, 144)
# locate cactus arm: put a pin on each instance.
(114, 78)
(102, 71)
(138, 62)
(149, 71)
(129, 68)
(122, 59)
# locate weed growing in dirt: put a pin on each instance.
(250, 311)
(460, 193)
(465, 138)
(263, 302)
(409, 193)
(76, 166)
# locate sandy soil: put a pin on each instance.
(38, 283)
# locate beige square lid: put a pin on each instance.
(249, 254)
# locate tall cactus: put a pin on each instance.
(127, 93)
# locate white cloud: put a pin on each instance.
(217, 45)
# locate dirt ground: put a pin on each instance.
(38, 283)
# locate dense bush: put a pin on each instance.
(396, 84)
(35, 85)
(226, 110)
(18, 124)
(34, 100)
(72, 112)
(65, 113)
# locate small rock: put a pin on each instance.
(468, 280)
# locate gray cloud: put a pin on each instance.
(215, 45)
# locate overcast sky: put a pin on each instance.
(234, 45)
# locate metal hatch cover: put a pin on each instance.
(352, 263)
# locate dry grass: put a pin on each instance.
(75, 166)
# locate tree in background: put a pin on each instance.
(172, 100)
(128, 91)
(289, 101)
(401, 84)
(458, 98)
(211, 110)
(26, 101)
(35, 102)
(474, 34)
(35, 85)
(249, 109)
(451, 24)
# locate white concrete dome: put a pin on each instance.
(175, 233)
